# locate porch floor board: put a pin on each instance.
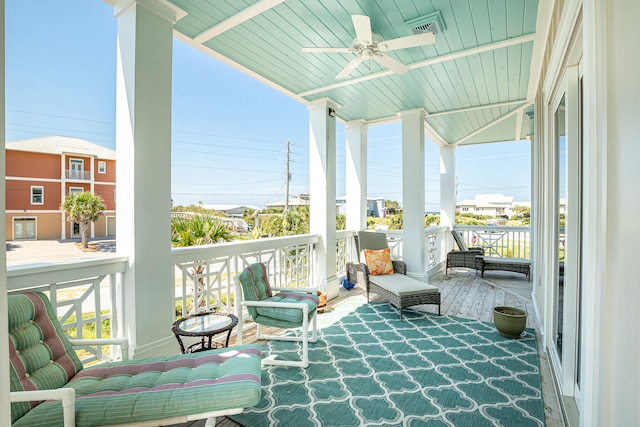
(467, 295)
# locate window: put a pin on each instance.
(102, 167)
(37, 195)
(75, 190)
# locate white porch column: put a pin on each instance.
(322, 189)
(611, 371)
(5, 406)
(356, 166)
(143, 171)
(413, 249)
(448, 193)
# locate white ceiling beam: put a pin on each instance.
(433, 135)
(457, 55)
(477, 107)
(543, 23)
(493, 123)
(519, 117)
(237, 19)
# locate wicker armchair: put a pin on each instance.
(465, 257)
(399, 289)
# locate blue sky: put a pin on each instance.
(229, 131)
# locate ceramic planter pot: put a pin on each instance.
(510, 321)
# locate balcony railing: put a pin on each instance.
(434, 242)
(77, 175)
(90, 292)
(499, 241)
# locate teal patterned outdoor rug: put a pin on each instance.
(369, 368)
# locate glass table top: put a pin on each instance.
(207, 322)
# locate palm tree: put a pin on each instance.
(193, 231)
(198, 230)
(83, 208)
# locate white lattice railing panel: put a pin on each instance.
(205, 274)
(345, 251)
(86, 295)
(498, 241)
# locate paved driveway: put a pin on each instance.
(34, 251)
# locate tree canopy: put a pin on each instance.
(83, 208)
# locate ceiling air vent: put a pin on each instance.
(431, 23)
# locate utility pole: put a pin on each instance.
(286, 191)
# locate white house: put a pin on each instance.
(232, 211)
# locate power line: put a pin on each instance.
(61, 117)
(222, 169)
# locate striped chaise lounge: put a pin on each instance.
(149, 392)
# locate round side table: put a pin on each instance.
(205, 326)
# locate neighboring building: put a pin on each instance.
(233, 211)
(299, 200)
(375, 206)
(493, 205)
(41, 172)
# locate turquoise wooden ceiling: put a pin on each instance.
(473, 82)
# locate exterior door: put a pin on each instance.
(111, 226)
(76, 169)
(75, 230)
(24, 229)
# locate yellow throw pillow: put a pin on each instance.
(379, 261)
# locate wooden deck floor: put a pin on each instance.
(469, 296)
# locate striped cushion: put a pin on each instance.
(159, 388)
(40, 354)
(290, 315)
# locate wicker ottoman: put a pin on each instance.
(516, 265)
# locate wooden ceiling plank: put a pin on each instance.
(429, 62)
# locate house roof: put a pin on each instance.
(224, 208)
(299, 200)
(60, 145)
(476, 82)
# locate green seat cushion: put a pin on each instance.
(289, 315)
(159, 388)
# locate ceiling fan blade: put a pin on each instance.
(391, 63)
(405, 42)
(349, 68)
(329, 49)
(362, 25)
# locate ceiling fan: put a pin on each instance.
(369, 45)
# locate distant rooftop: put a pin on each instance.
(62, 145)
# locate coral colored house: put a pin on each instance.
(41, 172)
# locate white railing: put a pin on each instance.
(83, 292)
(345, 251)
(77, 175)
(204, 274)
(90, 291)
(499, 241)
(434, 242)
